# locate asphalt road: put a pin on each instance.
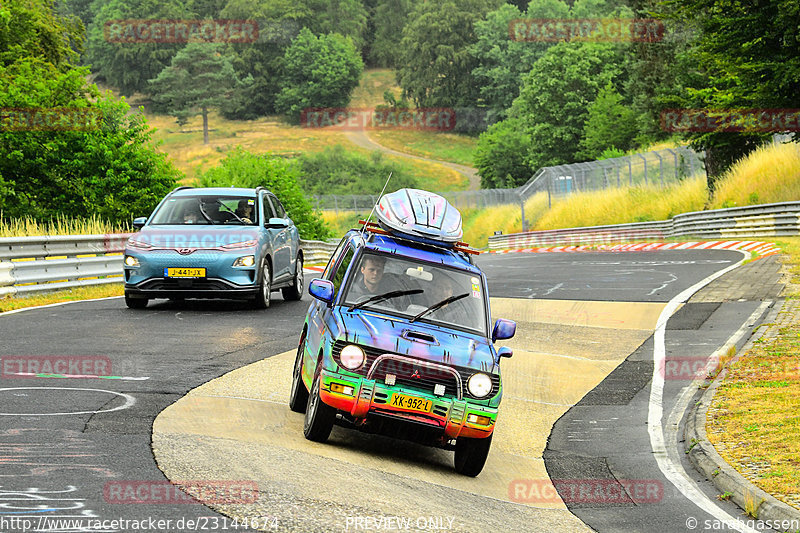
(67, 443)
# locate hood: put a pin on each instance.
(425, 341)
(205, 236)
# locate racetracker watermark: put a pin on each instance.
(590, 30)
(43, 366)
(164, 492)
(688, 368)
(357, 119)
(50, 119)
(180, 31)
(731, 120)
(596, 491)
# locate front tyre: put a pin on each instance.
(471, 455)
(319, 416)
(298, 397)
(135, 303)
(264, 288)
(294, 292)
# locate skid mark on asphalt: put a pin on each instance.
(216, 421)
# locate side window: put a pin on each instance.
(338, 277)
(279, 210)
(267, 208)
(337, 253)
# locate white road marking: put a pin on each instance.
(673, 470)
(129, 401)
(13, 311)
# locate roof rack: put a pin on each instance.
(176, 189)
(375, 228)
(260, 188)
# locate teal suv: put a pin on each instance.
(214, 243)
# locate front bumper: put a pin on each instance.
(450, 415)
(222, 280)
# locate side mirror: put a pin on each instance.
(139, 222)
(276, 223)
(321, 289)
(504, 351)
(503, 329)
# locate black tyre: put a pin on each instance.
(264, 288)
(295, 291)
(298, 397)
(319, 416)
(135, 303)
(471, 455)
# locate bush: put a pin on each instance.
(279, 175)
(501, 155)
(110, 169)
(335, 171)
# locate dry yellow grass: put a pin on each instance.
(441, 146)
(374, 82)
(770, 174)
(81, 293)
(626, 204)
(27, 227)
(754, 419)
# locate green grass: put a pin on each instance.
(28, 227)
(374, 82)
(70, 295)
(441, 146)
(754, 419)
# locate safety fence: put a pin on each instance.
(659, 167)
(766, 220)
(30, 265)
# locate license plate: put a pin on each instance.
(412, 403)
(184, 272)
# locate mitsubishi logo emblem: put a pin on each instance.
(416, 374)
(186, 251)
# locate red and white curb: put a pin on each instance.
(757, 248)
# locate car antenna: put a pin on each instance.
(376, 203)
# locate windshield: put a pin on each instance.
(418, 291)
(207, 210)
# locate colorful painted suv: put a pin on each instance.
(397, 339)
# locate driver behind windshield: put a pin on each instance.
(370, 280)
(244, 210)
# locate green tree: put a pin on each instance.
(503, 61)
(128, 66)
(554, 100)
(318, 72)
(436, 59)
(32, 28)
(279, 175)
(199, 77)
(501, 155)
(345, 17)
(110, 169)
(744, 56)
(610, 124)
(389, 19)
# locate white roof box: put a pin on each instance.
(420, 214)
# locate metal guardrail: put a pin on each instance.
(766, 220)
(38, 264)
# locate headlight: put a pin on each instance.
(479, 385)
(352, 357)
(246, 261)
(131, 261)
(133, 243)
(237, 245)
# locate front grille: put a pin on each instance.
(184, 285)
(428, 377)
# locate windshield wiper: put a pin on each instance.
(439, 305)
(228, 209)
(203, 212)
(384, 296)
